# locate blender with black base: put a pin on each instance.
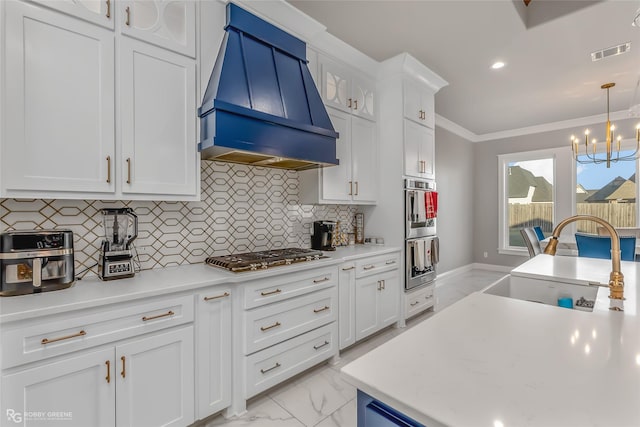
(116, 256)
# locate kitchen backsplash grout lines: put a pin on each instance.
(243, 209)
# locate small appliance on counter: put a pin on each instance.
(322, 233)
(116, 255)
(36, 261)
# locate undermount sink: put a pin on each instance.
(542, 291)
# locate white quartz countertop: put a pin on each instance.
(494, 361)
(92, 292)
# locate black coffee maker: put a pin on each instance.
(322, 235)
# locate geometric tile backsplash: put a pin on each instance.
(242, 209)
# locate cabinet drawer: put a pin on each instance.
(269, 325)
(373, 265)
(290, 285)
(273, 365)
(55, 335)
(418, 301)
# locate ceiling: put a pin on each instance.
(548, 77)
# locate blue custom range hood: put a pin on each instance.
(261, 106)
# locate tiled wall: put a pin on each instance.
(242, 209)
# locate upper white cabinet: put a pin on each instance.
(169, 24)
(419, 150)
(344, 89)
(70, 131)
(418, 103)
(59, 103)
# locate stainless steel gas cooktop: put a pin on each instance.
(264, 259)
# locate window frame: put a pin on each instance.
(503, 163)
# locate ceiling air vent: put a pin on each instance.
(611, 51)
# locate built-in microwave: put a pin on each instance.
(421, 208)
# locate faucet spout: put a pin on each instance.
(616, 278)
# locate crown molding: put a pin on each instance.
(545, 127)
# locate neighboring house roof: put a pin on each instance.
(520, 180)
(582, 197)
(602, 194)
(626, 192)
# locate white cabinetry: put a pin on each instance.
(419, 300)
(370, 293)
(418, 103)
(419, 150)
(65, 118)
(213, 351)
(352, 112)
(142, 373)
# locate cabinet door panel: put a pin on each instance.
(336, 89)
(364, 98)
(336, 180)
(367, 314)
(155, 380)
(60, 120)
(347, 303)
(158, 114)
(412, 141)
(427, 153)
(389, 298)
(364, 153)
(412, 102)
(99, 12)
(75, 389)
(169, 24)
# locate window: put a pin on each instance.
(608, 193)
(527, 196)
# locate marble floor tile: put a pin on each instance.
(346, 416)
(262, 413)
(314, 398)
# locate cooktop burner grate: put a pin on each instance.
(252, 261)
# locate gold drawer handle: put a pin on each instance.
(108, 169)
(355, 103)
(356, 193)
(348, 268)
(226, 294)
(128, 20)
(368, 267)
(124, 369)
(109, 9)
(48, 341)
(390, 262)
(266, 328)
(264, 371)
(318, 310)
(325, 279)
(350, 188)
(264, 294)
(128, 169)
(108, 377)
(414, 303)
(168, 313)
(349, 104)
(317, 347)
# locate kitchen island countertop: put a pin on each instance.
(494, 361)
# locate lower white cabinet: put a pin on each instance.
(347, 299)
(418, 300)
(146, 381)
(377, 303)
(213, 351)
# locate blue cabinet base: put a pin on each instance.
(373, 413)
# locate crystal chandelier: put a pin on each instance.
(609, 140)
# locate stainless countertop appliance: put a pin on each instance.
(116, 253)
(35, 261)
(251, 261)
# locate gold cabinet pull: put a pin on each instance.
(368, 267)
(355, 103)
(226, 294)
(349, 104)
(356, 189)
(128, 20)
(108, 9)
(266, 328)
(264, 294)
(318, 310)
(124, 367)
(66, 337)
(317, 347)
(390, 262)
(414, 303)
(324, 279)
(348, 268)
(379, 285)
(383, 284)
(350, 188)
(420, 114)
(168, 313)
(108, 377)
(264, 371)
(108, 169)
(128, 170)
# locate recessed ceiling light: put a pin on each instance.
(497, 65)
